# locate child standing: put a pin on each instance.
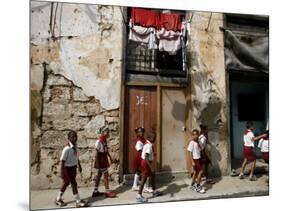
(102, 163)
(69, 161)
(203, 140)
(147, 170)
(248, 151)
(137, 160)
(195, 156)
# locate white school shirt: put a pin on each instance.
(264, 145)
(194, 148)
(100, 147)
(139, 145)
(248, 142)
(202, 141)
(68, 155)
(147, 149)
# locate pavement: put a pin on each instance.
(174, 190)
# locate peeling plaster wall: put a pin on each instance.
(208, 86)
(76, 67)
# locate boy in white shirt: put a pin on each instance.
(249, 154)
(264, 146)
(194, 150)
(147, 169)
(203, 141)
(69, 161)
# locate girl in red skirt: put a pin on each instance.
(102, 163)
(137, 159)
(249, 153)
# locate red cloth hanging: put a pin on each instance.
(170, 21)
(145, 18)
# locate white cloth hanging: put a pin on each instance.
(169, 41)
(143, 35)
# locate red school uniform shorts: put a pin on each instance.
(145, 170)
(249, 153)
(198, 165)
(137, 162)
(69, 174)
(265, 156)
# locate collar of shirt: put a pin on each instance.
(141, 138)
(247, 131)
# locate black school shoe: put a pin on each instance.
(60, 203)
(156, 193)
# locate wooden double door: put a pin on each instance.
(162, 110)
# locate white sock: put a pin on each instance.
(136, 179)
(77, 197)
(139, 196)
(59, 196)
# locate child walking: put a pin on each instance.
(147, 170)
(264, 146)
(69, 161)
(102, 163)
(137, 160)
(249, 154)
(195, 156)
(203, 141)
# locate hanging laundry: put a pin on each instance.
(170, 22)
(141, 34)
(145, 18)
(185, 30)
(169, 41)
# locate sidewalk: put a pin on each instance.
(179, 190)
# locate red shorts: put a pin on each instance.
(198, 166)
(249, 153)
(265, 156)
(145, 170)
(102, 161)
(69, 174)
(137, 162)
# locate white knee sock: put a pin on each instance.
(59, 196)
(77, 197)
(136, 179)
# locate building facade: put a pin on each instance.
(85, 73)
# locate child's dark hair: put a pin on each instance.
(249, 124)
(137, 129)
(203, 127)
(195, 131)
(71, 134)
(151, 136)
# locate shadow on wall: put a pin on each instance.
(208, 108)
(215, 156)
(177, 106)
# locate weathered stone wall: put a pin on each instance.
(76, 66)
(208, 86)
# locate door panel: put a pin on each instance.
(173, 147)
(140, 110)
